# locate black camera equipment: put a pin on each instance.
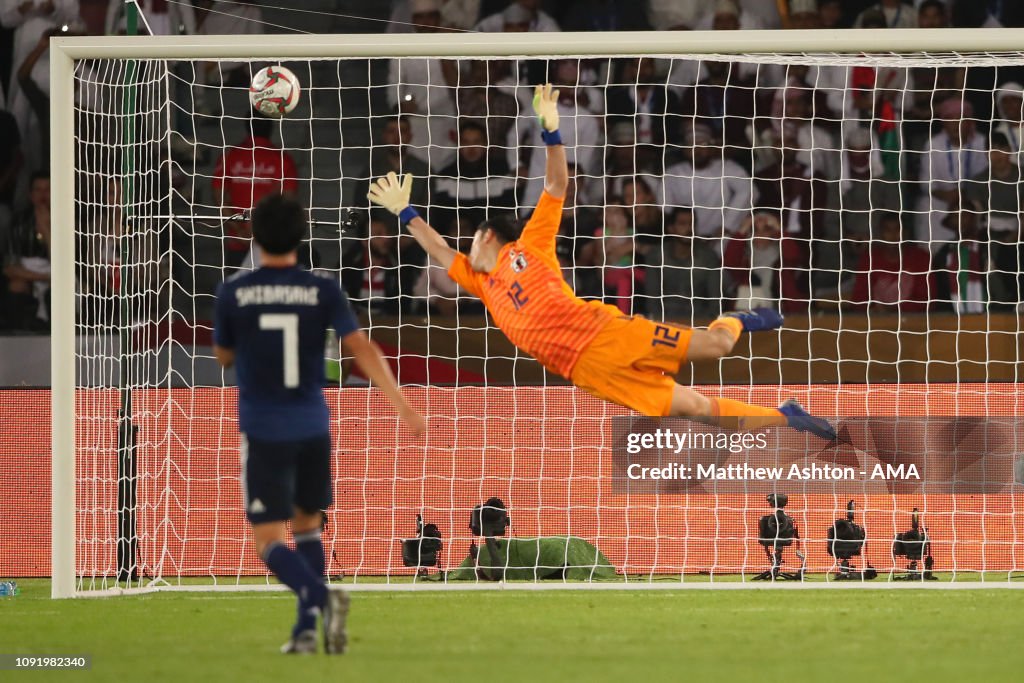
(916, 547)
(489, 519)
(776, 532)
(421, 552)
(846, 540)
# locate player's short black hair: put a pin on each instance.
(505, 226)
(937, 4)
(278, 224)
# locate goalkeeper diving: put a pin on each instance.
(627, 360)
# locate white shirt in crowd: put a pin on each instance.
(946, 166)
(434, 124)
(580, 129)
(721, 195)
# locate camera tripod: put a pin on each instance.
(775, 573)
(848, 573)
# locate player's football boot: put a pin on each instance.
(335, 614)
(302, 644)
(802, 421)
(758, 319)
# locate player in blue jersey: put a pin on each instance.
(270, 324)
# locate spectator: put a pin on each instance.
(466, 190)
(932, 14)
(11, 161)
(31, 19)
(895, 14)
(521, 12)
(461, 15)
(973, 14)
(36, 93)
(718, 189)
(372, 276)
(27, 261)
(830, 14)
(424, 91)
(221, 18)
(804, 14)
(99, 259)
(605, 15)
(862, 193)
(683, 279)
(623, 160)
(675, 15)
(441, 295)
(392, 153)
(797, 198)
(245, 174)
(646, 217)
(723, 100)
(962, 268)
(164, 18)
(481, 99)
(799, 131)
(998, 196)
(611, 256)
(874, 95)
(580, 129)
(730, 15)
(767, 268)
(1010, 121)
(956, 153)
(863, 186)
(892, 275)
(642, 101)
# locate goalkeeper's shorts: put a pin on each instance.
(633, 362)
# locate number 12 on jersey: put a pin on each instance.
(288, 323)
(517, 295)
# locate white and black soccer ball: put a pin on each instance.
(274, 91)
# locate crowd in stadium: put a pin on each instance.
(697, 186)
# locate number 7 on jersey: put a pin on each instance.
(288, 323)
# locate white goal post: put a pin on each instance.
(65, 53)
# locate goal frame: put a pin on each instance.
(65, 50)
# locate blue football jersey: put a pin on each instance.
(276, 320)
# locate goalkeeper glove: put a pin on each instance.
(393, 195)
(545, 104)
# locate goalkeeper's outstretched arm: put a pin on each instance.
(556, 171)
(393, 195)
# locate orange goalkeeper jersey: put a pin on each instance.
(529, 299)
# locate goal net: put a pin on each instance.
(871, 196)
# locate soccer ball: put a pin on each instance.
(274, 91)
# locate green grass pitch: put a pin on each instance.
(534, 636)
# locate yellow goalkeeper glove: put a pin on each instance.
(393, 195)
(545, 103)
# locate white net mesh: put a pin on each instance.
(857, 194)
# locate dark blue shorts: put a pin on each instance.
(279, 476)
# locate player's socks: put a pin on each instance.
(294, 572)
(311, 548)
(732, 414)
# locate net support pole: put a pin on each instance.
(62, 313)
(127, 538)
